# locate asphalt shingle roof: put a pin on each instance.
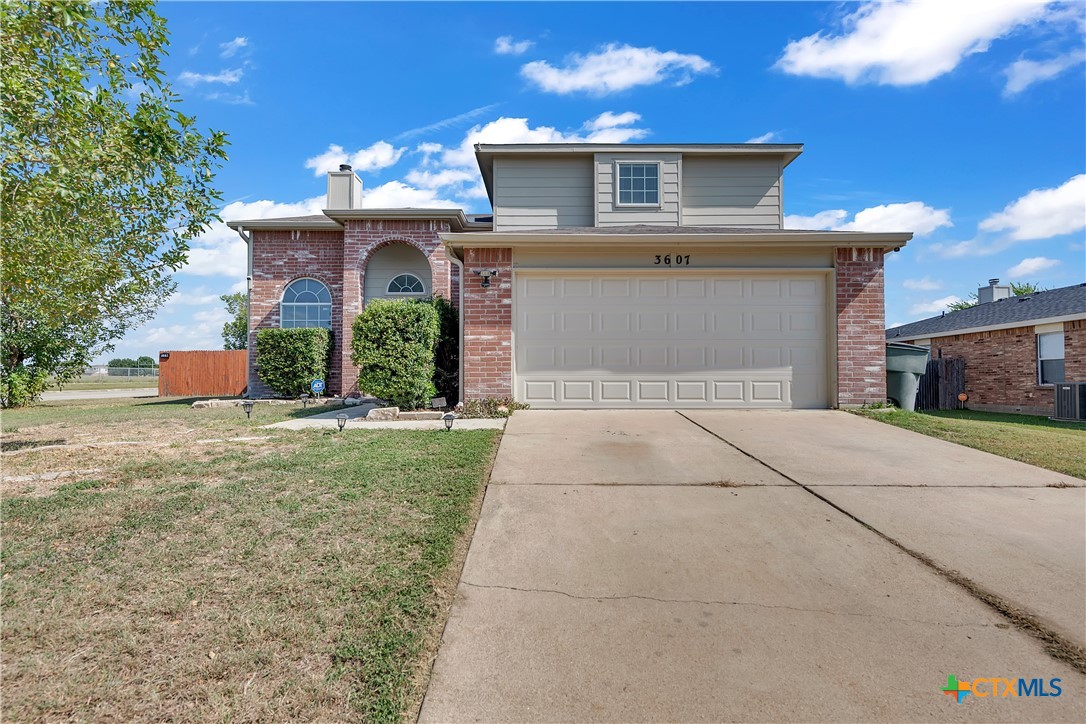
(1027, 308)
(634, 229)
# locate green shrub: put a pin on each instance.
(447, 356)
(394, 344)
(287, 360)
(21, 386)
(492, 407)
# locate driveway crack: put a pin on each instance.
(1055, 644)
(700, 602)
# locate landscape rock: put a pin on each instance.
(352, 401)
(426, 415)
(383, 413)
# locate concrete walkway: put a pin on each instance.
(356, 420)
(60, 395)
(717, 566)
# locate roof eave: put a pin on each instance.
(282, 224)
(856, 239)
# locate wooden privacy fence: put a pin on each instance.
(193, 374)
(941, 383)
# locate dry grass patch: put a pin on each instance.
(302, 577)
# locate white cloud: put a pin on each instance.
(397, 195)
(914, 216)
(932, 307)
(205, 335)
(228, 76)
(1021, 74)
(607, 119)
(233, 99)
(822, 220)
(924, 285)
(505, 45)
(1032, 265)
(615, 68)
(445, 122)
(230, 49)
(907, 43)
(220, 251)
(764, 138)
(214, 315)
(380, 155)
(1043, 213)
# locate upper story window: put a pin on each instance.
(406, 284)
(638, 184)
(1050, 358)
(306, 303)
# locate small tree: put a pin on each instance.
(1018, 289)
(394, 343)
(235, 333)
(288, 360)
(105, 182)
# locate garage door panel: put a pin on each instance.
(718, 339)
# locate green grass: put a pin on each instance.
(1058, 446)
(298, 578)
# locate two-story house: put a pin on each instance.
(608, 276)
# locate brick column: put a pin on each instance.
(488, 325)
(861, 327)
(356, 243)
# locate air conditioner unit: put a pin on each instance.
(1070, 401)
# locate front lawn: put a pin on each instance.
(220, 571)
(1058, 446)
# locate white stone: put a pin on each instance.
(383, 413)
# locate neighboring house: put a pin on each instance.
(608, 276)
(1015, 348)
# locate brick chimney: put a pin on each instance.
(344, 189)
(993, 292)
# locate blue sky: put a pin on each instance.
(962, 122)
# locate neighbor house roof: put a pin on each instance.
(1038, 308)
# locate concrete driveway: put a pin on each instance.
(737, 566)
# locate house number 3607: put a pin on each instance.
(672, 260)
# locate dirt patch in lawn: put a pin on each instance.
(302, 577)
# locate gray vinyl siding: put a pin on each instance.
(608, 213)
(731, 192)
(541, 193)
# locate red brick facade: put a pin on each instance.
(488, 325)
(1001, 366)
(338, 259)
(861, 326)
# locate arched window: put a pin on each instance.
(306, 303)
(406, 284)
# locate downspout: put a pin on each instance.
(248, 239)
(460, 319)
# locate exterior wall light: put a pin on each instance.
(486, 274)
(247, 405)
(448, 418)
(341, 420)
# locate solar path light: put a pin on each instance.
(247, 405)
(341, 420)
(448, 418)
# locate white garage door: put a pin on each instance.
(671, 340)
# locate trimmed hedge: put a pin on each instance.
(287, 360)
(447, 357)
(394, 344)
